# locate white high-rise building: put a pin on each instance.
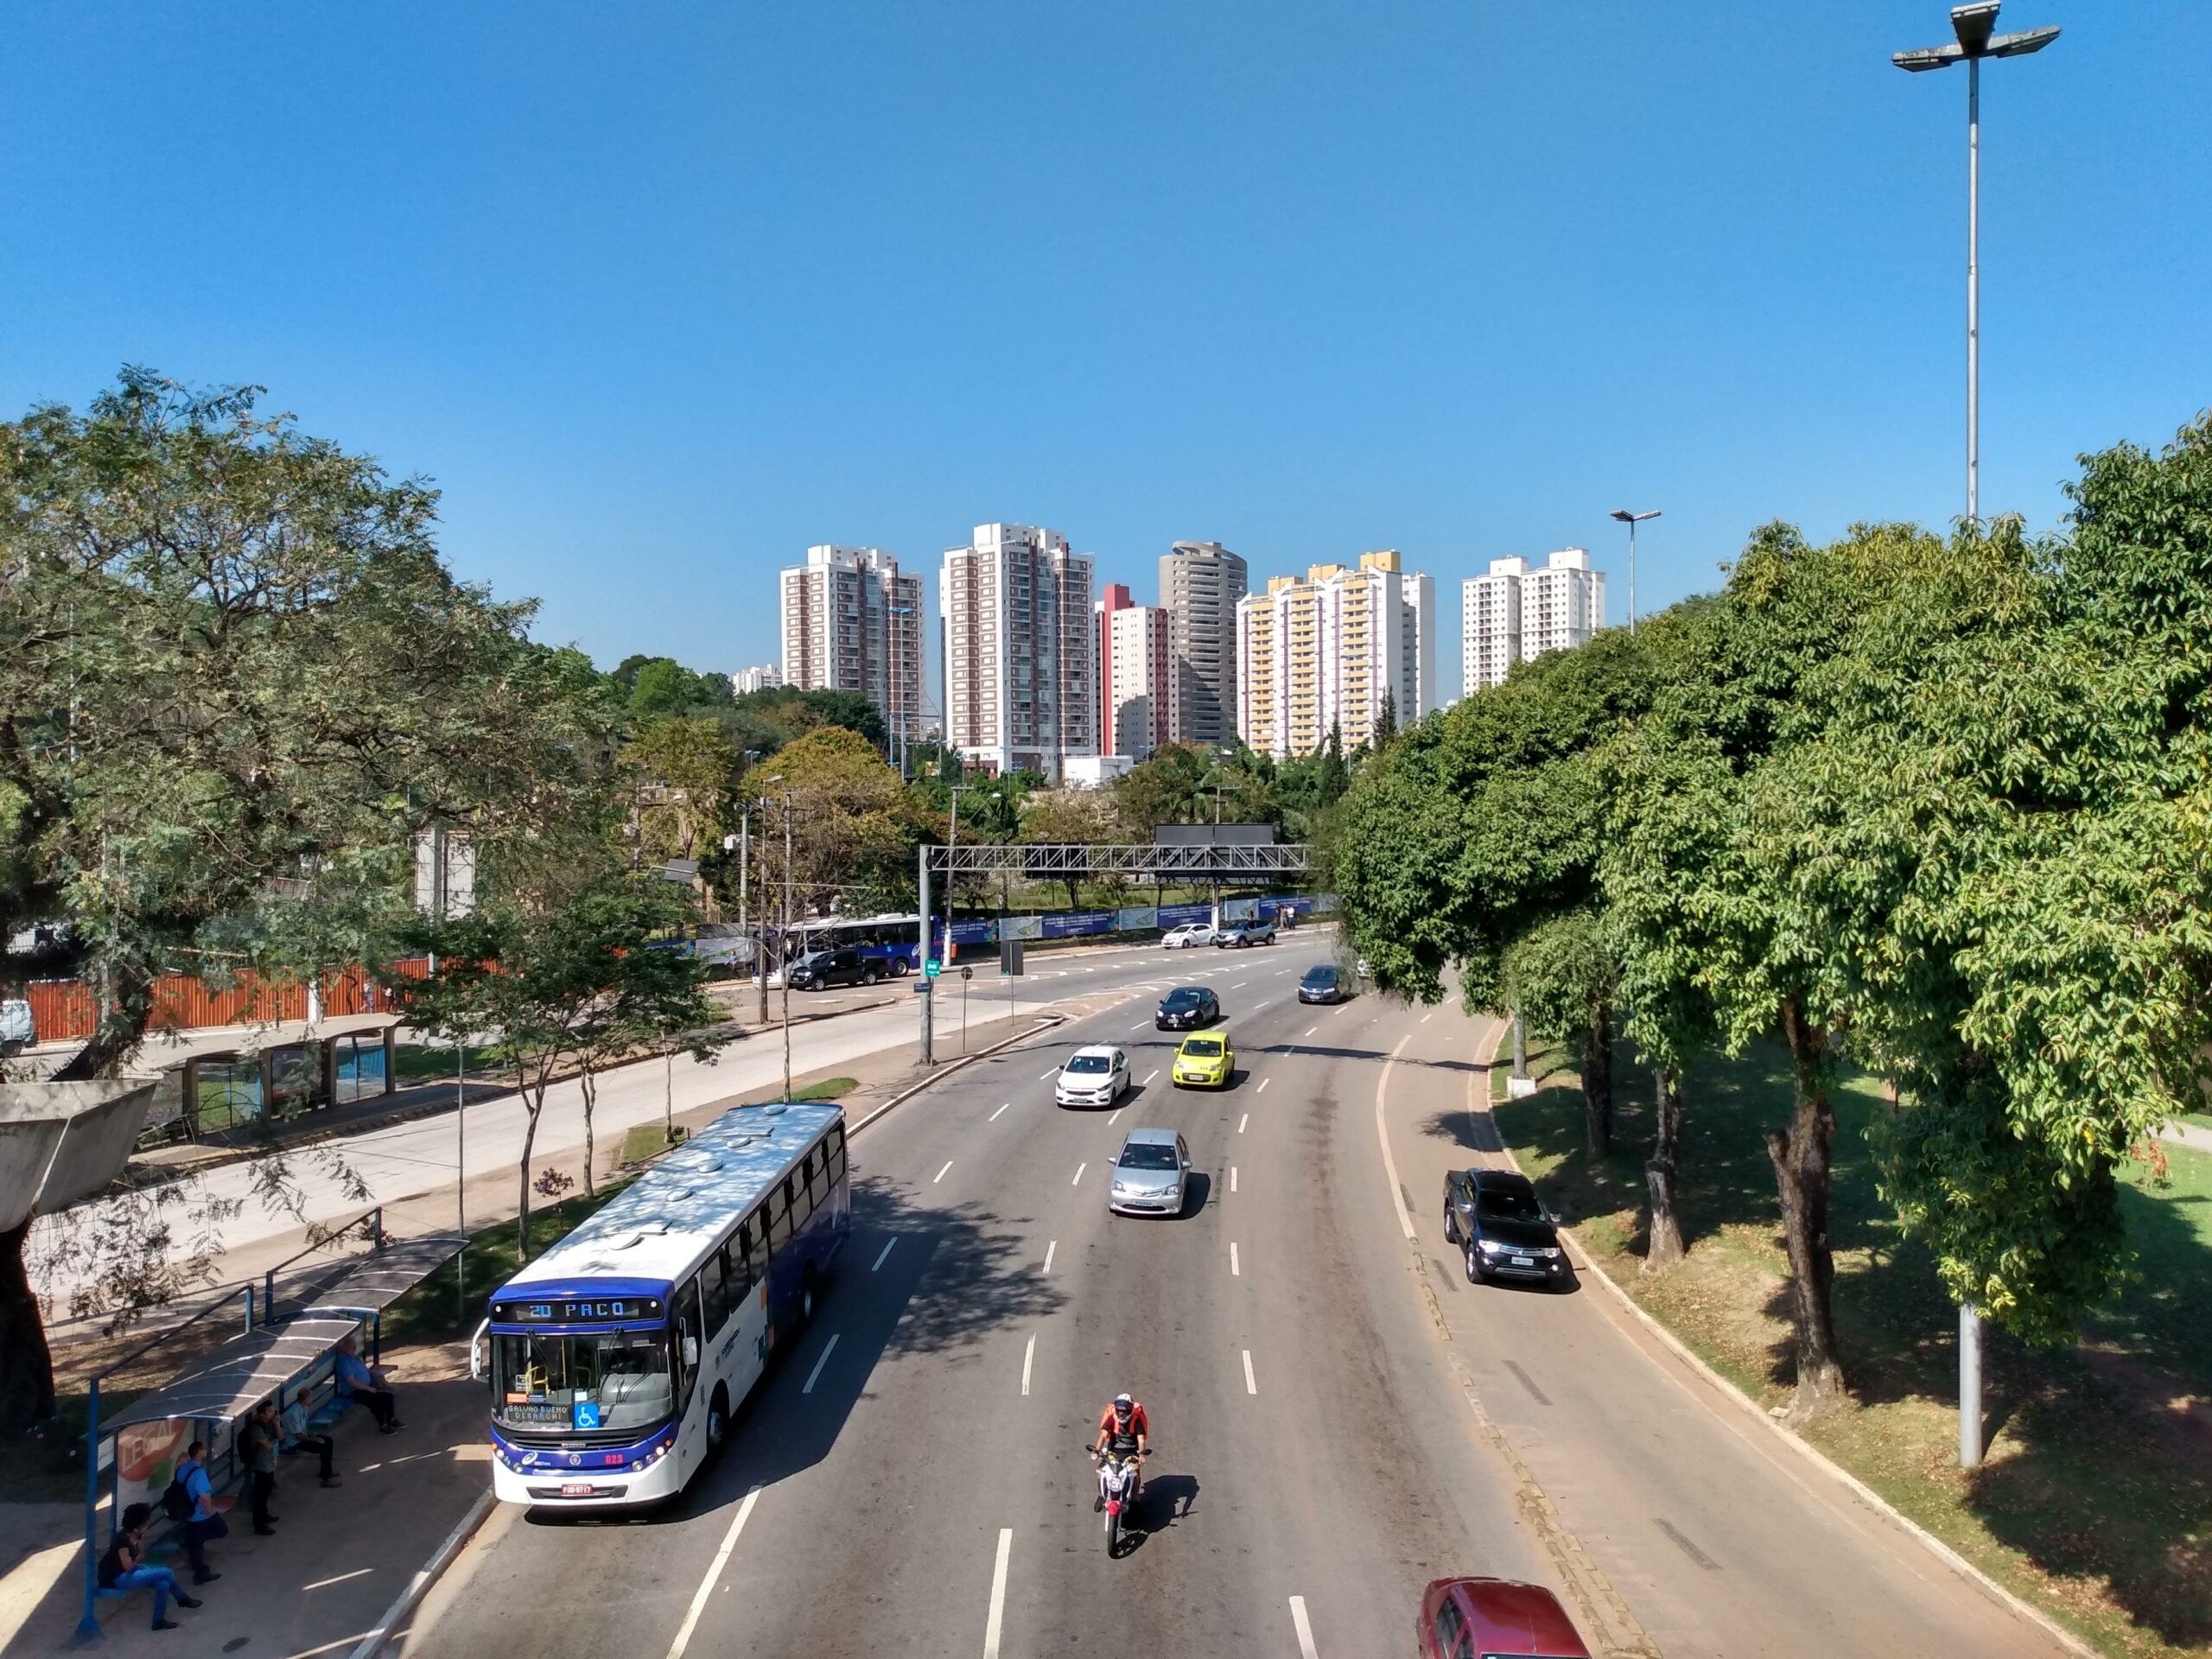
(765, 678)
(1140, 679)
(852, 623)
(1516, 615)
(1328, 650)
(1490, 625)
(1021, 651)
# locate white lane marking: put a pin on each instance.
(324, 1584)
(1246, 1118)
(1240, 984)
(707, 1584)
(1118, 1110)
(1262, 1089)
(1232, 1177)
(1233, 1272)
(1079, 1168)
(1430, 1015)
(814, 1375)
(1250, 1387)
(1381, 1133)
(993, 1117)
(992, 1625)
(1049, 1075)
(1050, 1247)
(1028, 1358)
(1147, 1082)
(1141, 1025)
(885, 1256)
(1310, 1030)
(940, 1174)
(1090, 970)
(1305, 1649)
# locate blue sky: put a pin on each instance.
(660, 294)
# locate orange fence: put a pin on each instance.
(64, 1008)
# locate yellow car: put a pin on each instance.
(1204, 1061)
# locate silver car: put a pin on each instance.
(1150, 1175)
(1092, 1076)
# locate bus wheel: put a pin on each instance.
(899, 967)
(717, 1420)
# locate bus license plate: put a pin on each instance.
(576, 1488)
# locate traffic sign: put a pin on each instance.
(967, 972)
(933, 968)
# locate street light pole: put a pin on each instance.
(1632, 519)
(786, 949)
(1973, 27)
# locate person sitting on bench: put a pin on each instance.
(123, 1567)
(358, 1380)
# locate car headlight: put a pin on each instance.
(1491, 1247)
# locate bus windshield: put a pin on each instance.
(615, 1379)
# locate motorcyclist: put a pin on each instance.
(1125, 1431)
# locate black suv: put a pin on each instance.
(819, 970)
(1495, 1218)
(1187, 1007)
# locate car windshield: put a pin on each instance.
(618, 1377)
(1090, 1064)
(1203, 1048)
(1320, 976)
(1148, 1156)
(1509, 1206)
(1178, 1001)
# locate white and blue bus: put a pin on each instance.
(618, 1357)
(890, 940)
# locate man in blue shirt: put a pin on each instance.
(356, 1379)
(206, 1522)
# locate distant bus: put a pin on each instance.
(619, 1356)
(891, 940)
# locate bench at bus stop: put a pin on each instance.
(272, 1361)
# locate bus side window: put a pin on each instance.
(836, 1145)
(687, 1326)
(817, 1177)
(777, 1211)
(737, 1271)
(715, 1289)
(801, 1201)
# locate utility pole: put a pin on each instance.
(1632, 519)
(1974, 26)
(787, 934)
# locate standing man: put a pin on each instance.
(257, 1451)
(204, 1523)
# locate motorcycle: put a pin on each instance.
(1117, 1479)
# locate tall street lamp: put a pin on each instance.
(1632, 519)
(1975, 26)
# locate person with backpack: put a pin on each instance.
(123, 1567)
(190, 1501)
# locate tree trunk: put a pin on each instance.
(1664, 1248)
(26, 1363)
(1799, 1153)
(589, 1080)
(1598, 1083)
(532, 1105)
(1520, 1045)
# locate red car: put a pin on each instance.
(1493, 1618)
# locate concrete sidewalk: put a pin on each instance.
(340, 1557)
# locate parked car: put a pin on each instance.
(1494, 1618)
(1502, 1227)
(1253, 930)
(1186, 1009)
(1189, 934)
(1151, 1174)
(17, 1030)
(1204, 1061)
(1092, 1076)
(1324, 982)
(819, 970)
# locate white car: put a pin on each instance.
(1190, 934)
(1092, 1076)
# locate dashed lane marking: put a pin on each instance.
(1297, 1621)
(814, 1375)
(940, 1174)
(707, 1584)
(885, 1256)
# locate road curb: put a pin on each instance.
(946, 1071)
(431, 1571)
(1959, 1564)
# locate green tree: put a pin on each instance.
(855, 826)
(686, 773)
(1563, 976)
(1164, 788)
(1083, 818)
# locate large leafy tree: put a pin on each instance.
(232, 659)
(854, 826)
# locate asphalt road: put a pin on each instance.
(1337, 1420)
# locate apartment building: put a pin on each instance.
(852, 623)
(1114, 596)
(1516, 615)
(1200, 585)
(1021, 689)
(1328, 650)
(767, 677)
(1141, 680)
